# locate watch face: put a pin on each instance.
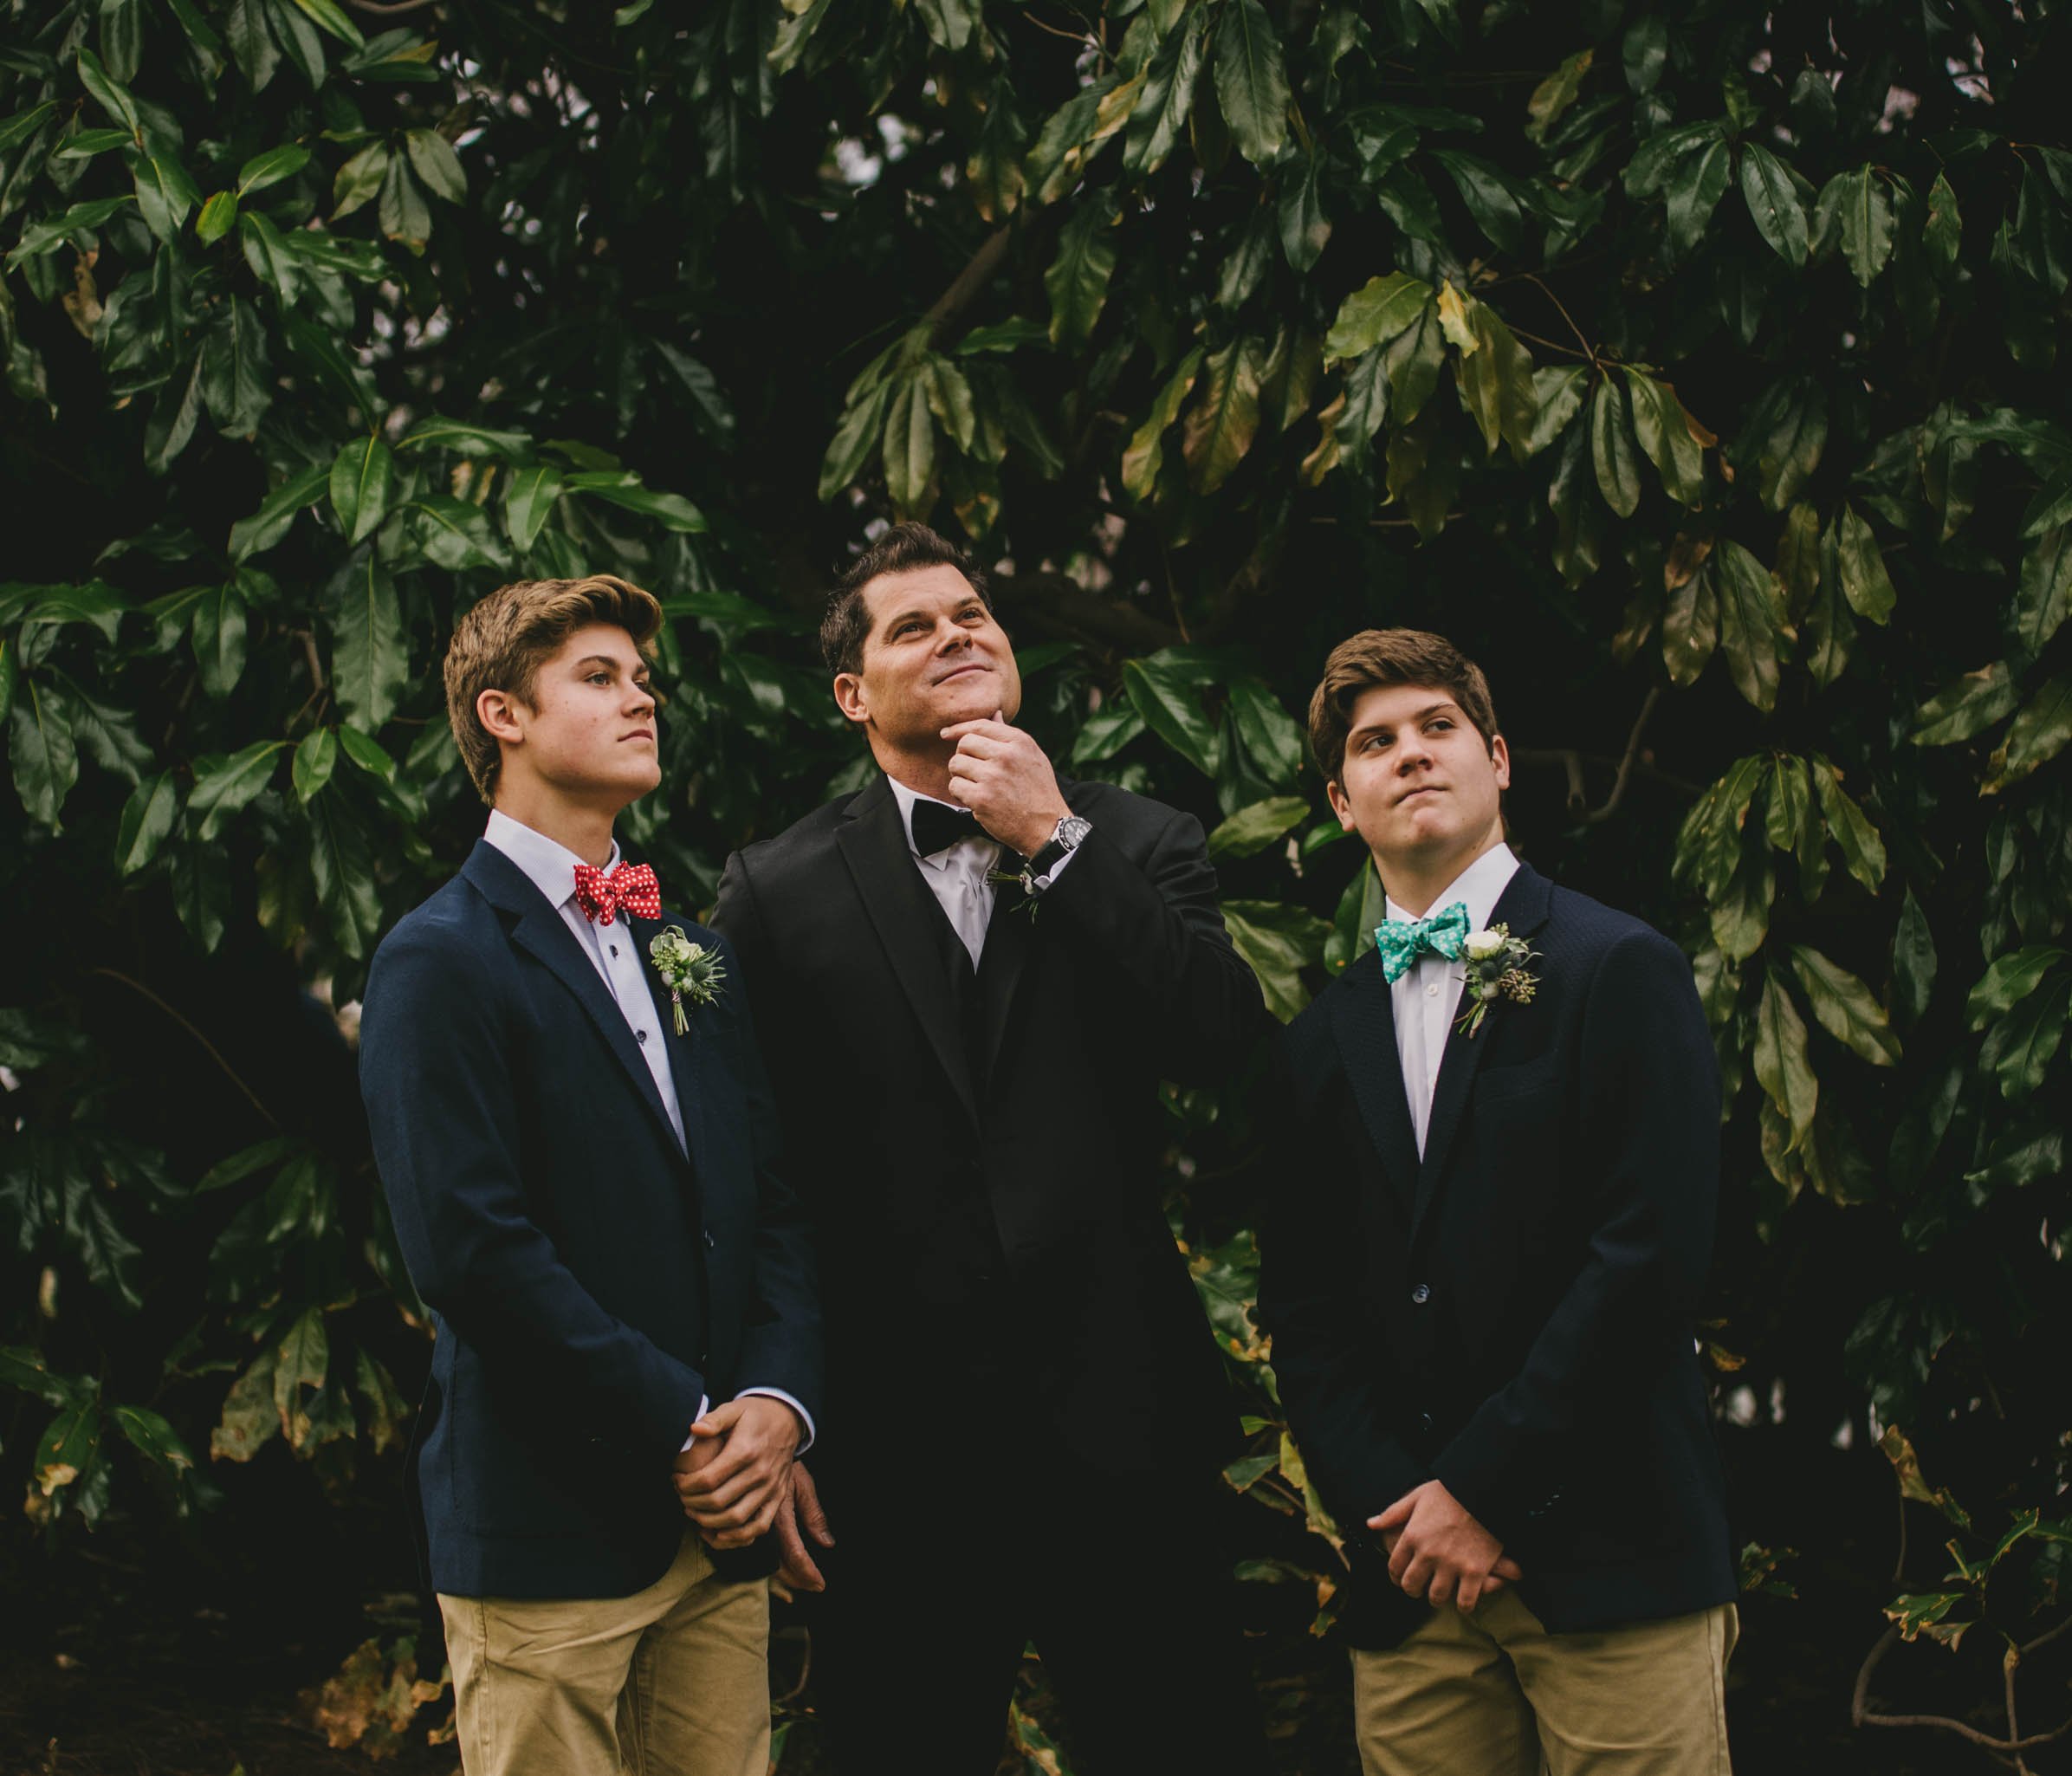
(1072, 830)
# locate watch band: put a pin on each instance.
(1066, 838)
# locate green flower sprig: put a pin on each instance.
(686, 968)
(1495, 965)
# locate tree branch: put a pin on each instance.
(1861, 1714)
(214, 1053)
(1062, 607)
(966, 283)
(1631, 764)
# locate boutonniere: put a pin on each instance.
(1029, 903)
(686, 969)
(1495, 963)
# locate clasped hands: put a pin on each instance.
(739, 1479)
(1437, 1551)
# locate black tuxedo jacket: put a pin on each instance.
(981, 1156)
(591, 1281)
(1512, 1315)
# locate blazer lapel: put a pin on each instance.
(686, 1052)
(539, 933)
(1364, 1021)
(873, 843)
(1522, 906)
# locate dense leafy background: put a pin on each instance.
(1695, 365)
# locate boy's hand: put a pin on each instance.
(1439, 1552)
(732, 1495)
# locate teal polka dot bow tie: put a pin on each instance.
(1402, 941)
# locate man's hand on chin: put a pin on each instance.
(1438, 1552)
(1002, 776)
(732, 1492)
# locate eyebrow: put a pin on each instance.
(1430, 710)
(606, 660)
(917, 613)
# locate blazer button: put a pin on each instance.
(1424, 1421)
(1421, 1294)
(711, 1244)
(641, 1034)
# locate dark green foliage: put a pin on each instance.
(1700, 381)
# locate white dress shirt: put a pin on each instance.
(1427, 996)
(550, 866)
(957, 876)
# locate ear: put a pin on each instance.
(1499, 759)
(1341, 804)
(497, 712)
(849, 699)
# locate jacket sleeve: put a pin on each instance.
(442, 1107)
(1157, 926)
(1325, 1364)
(781, 1345)
(1650, 1123)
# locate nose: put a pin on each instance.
(1412, 751)
(643, 701)
(951, 636)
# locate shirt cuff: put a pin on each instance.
(704, 1406)
(804, 1417)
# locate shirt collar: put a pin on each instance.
(906, 798)
(549, 864)
(1480, 886)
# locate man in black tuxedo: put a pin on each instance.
(1484, 1260)
(969, 979)
(584, 1189)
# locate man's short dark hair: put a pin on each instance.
(1375, 658)
(905, 548)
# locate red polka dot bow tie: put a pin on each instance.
(631, 885)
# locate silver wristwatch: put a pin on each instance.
(1069, 833)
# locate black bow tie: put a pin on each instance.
(937, 826)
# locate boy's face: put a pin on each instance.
(934, 656)
(587, 732)
(1417, 783)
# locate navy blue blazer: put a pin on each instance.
(1512, 1313)
(591, 1280)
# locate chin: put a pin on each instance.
(971, 699)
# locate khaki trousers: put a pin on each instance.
(673, 1681)
(1495, 1694)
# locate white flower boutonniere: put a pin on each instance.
(686, 968)
(1495, 964)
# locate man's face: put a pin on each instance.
(588, 728)
(1418, 784)
(934, 656)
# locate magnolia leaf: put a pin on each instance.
(362, 478)
(1160, 117)
(370, 651)
(1613, 450)
(1751, 622)
(1221, 426)
(147, 821)
(1252, 84)
(1783, 1068)
(1864, 581)
(1863, 850)
(1141, 457)
(2040, 731)
(1078, 279)
(1253, 829)
(1773, 202)
(1846, 1007)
